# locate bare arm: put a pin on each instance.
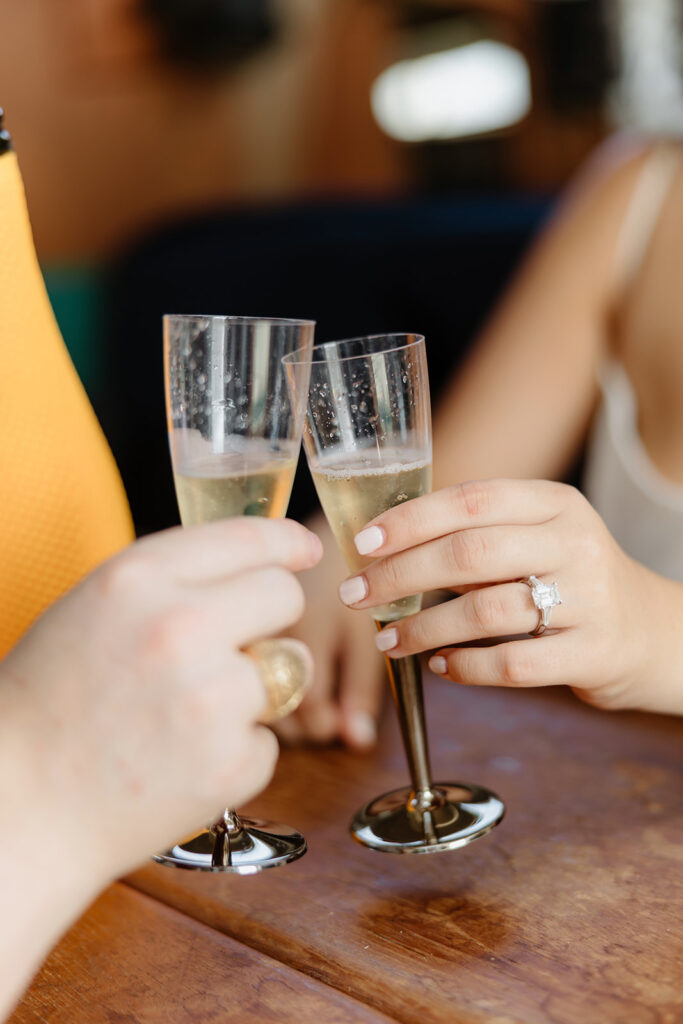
(522, 403)
(129, 715)
(519, 408)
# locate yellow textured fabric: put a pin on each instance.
(62, 505)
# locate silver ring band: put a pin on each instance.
(545, 596)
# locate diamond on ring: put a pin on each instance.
(545, 597)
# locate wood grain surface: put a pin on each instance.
(132, 960)
(571, 912)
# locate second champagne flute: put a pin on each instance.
(234, 433)
(368, 442)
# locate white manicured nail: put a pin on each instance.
(362, 729)
(369, 540)
(438, 665)
(354, 590)
(387, 639)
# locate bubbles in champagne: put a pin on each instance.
(356, 486)
(249, 479)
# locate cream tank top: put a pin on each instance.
(642, 508)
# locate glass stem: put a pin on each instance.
(230, 822)
(405, 675)
(226, 828)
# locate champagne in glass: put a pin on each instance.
(234, 434)
(368, 442)
(352, 494)
(245, 483)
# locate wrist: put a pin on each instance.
(45, 834)
(659, 677)
(46, 880)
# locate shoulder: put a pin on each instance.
(586, 227)
(608, 179)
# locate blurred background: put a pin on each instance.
(378, 165)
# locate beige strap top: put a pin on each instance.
(642, 508)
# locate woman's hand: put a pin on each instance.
(615, 638)
(346, 695)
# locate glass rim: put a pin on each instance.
(227, 318)
(291, 357)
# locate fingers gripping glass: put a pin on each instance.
(367, 437)
(234, 433)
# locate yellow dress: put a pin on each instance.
(62, 505)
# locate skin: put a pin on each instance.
(129, 717)
(346, 696)
(616, 641)
(536, 362)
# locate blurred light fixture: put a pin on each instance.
(470, 90)
(648, 91)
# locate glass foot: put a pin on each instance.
(446, 817)
(253, 846)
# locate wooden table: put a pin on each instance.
(571, 912)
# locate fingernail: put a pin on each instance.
(354, 590)
(369, 540)
(438, 665)
(387, 639)
(362, 729)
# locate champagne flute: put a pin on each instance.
(367, 437)
(234, 434)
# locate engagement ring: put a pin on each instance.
(545, 596)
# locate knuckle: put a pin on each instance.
(246, 531)
(474, 496)
(515, 664)
(413, 634)
(572, 495)
(125, 574)
(171, 635)
(240, 692)
(574, 501)
(391, 574)
(403, 518)
(608, 697)
(485, 611)
(286, 588)
(460, 668)
(589, 546)
(232, 769)
(198, 707)
(244, 677)
(251, 760)
(465, 550)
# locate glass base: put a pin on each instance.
(254, 846)
(449, 816)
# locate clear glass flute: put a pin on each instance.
(367, 437)
(234, 433)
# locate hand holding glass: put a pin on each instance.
(234, 433)
(368, 443)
